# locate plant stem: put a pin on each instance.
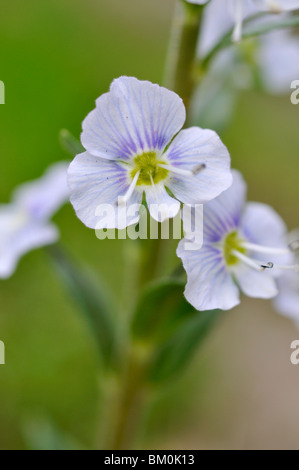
(180, 65)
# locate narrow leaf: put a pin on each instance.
(159, 308)
(92, 300)
(175, 353)
(70, 143)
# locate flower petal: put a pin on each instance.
(160, 205)
(96, 184)
(43, 197)
(277, 6)
(287, 301)
(262, 225)
(223, 215)
(209, 284)
(134, 117)
(190, 148)
(258, 284)
(22, 241)
(279, 59)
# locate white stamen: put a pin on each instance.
(180, 171)
(264, 249)
(237, 33)
(124, 199)
(250, 262)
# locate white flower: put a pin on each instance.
(221, 15)
(273, 57)
(25, 221)
(278, 58)
(134, 147)
(244, 247)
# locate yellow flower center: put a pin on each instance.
(150, 171)
(232, 242)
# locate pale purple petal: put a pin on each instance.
(223, 214)
(161, 206)
(190, 148)
(21, 241)
(41, 198)
(95, 182)
(134, 117)
(279, 59)
(257, 284)
(209, 285)
(287, 301)
(277, 5)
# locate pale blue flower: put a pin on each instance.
(287, 301)
(24, 223)
(134, 148)
(244, 248)
(221, 15)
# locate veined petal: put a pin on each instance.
(41, 198)
(258, 284)
(262, 225)
(287, 301)
(277, 6)
(134, 117)
(96, 182)
(22, 241)
(223, 215)
(192, 147)
(209, 285)
(160, 205)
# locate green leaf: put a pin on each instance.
(173, 355)
(70, 143)
(160, 307)
(91, 297)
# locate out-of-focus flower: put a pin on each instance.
(24, 223)
(271, 60)
(132, 151)
(220, 16)
(244, 248)
(287, 300)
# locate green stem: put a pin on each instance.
(180, 65)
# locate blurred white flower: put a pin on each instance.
(24, 223)
(134, 147)
(244, 248)
(287, 301)
(218, 18)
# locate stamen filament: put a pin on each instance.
(237, 33)
(264, 249)
(124, 199)
(250, 262)
(180, 171)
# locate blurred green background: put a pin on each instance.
(241, 390)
